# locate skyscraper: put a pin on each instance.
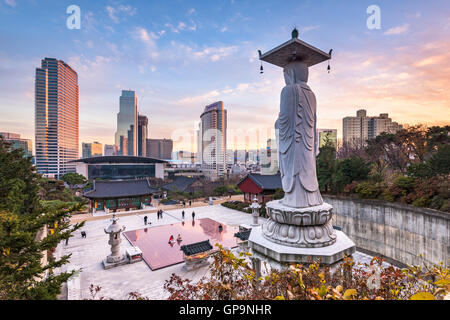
(56, 118)
(214, 140)
(127, 124)
(142, 135)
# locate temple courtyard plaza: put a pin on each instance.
(116, 283)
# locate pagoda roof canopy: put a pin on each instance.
(120, 189)
(295, 49)
(194, 248)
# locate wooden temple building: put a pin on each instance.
(261, 186)
(120, 194)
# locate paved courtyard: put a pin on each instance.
(116, 283)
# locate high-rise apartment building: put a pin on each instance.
(56, 118)
(357, 130)
(126, 138)
(142, 135)
(94, 149)
(160, 148)
(214, 140)
(18, 143)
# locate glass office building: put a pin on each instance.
(127, 125)
(56, 118)
(18, 143)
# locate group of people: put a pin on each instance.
(193, 215)
(172, 240)
(160, 213)
(184, 203)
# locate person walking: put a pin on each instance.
(161, 213)
(182, 214)
(193, 215)
(190, 203)
(145, 220)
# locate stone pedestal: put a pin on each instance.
(300, 235)
(262, 248)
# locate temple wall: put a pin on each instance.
(395, 231)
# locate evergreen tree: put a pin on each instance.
(23, 241)
(326, 163)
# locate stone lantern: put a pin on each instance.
(255, 206)
(115, 258)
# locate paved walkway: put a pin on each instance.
(87, 254)
(90, 217)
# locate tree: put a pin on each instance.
(349, 170)
(440, 161)
(23, 241)
(326, 164)
(72, 179)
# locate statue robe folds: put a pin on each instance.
(297, 145)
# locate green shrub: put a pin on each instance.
(421, 202)
(404, 183)
(369, 190)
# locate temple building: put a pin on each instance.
(261, 186)
(122, 194)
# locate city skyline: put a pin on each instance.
(401, 69)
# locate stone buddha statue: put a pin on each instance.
(297, 137)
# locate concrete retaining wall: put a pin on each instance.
(396, 231)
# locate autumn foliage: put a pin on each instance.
(231, 277)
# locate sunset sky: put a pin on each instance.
(180, 56)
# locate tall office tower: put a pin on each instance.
(324, 136)
(110, 150)
(56, 118)
(357, 130)
(127, 124)
(214, 140)
(160, 148)
(142, 135)
(18, 143)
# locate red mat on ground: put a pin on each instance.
(158, 253)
